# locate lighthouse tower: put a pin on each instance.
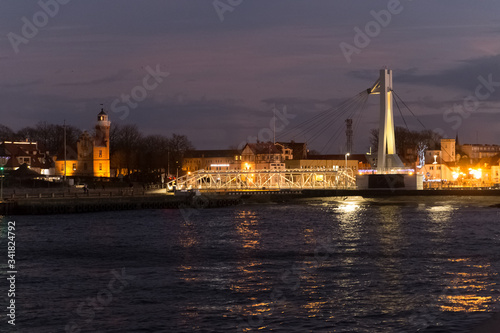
(101, 146)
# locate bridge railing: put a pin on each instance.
(266, 179)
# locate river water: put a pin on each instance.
(317, 265)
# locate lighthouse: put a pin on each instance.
(101, 145)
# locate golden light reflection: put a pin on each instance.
(348, 207)
(246, 226)
(188, 241)
(187, 274)
(350, 227)
(253, 309)
(315, 308)
(465, 288)
(188, 316)
(309, 236)
(466, 303)
(187, 236)
(441, 214)
(250, 277)
(390, 234)
(250, 272)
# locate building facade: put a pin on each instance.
(212, 160)
(264, 156)
(478, 151)
(29, 153)
(90, 157)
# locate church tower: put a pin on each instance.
(101, 146)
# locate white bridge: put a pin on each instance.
(248, 180)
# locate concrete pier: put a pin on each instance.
(38, 205)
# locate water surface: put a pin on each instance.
(314, 266)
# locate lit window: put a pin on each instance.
(74, 166)
(100, 153)
(100, 166)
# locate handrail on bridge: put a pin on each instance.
(267, 178)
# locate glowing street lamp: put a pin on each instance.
(477, 174)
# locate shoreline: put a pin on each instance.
(52, 204)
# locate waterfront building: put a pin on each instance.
(478, 151)
(440, 164)
(216, 160)
(355, 162)
(263, 156)
(253, 156)
(29, 153)
(476, 165)
(292, 150)
(448, 150)
(90, 157)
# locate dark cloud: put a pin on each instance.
(463, 76)
(226, 76)
(20, 85)
(121, 75)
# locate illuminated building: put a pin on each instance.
(91, 156)
(253, 156)
(263, 156)
(29, 153)
(216, 160)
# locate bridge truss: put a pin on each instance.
(237, 180)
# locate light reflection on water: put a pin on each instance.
(246, 224)
(467, 286)
(323, 265)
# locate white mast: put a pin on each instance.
(387, 157)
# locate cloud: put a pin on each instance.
(464, 76)
(21, 85)
(121, 75)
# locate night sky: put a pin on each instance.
(228, 66)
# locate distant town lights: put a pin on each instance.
(219, 165)
(476, 173)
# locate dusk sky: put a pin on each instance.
(229, 65)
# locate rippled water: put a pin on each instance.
(319, 265)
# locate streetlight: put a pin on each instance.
(345, 171)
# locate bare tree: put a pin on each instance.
(125, 145)
(178, 146)
(409, 141)
(49, 136)
(6, 133)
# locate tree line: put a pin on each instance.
(133, 151)
(130, 150)
(409, 143)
